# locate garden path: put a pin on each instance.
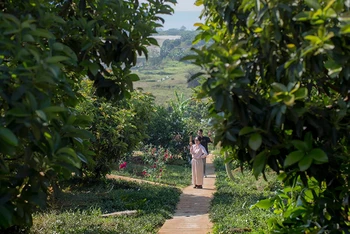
(191, 214)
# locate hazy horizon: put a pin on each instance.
(181, 18)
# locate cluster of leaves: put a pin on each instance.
(47, 47)
(278, 74)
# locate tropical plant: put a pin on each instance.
(47, 47)
(278, 74)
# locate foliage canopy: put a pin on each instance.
(47, 48)
(278, 73)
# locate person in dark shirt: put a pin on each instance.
(205, 140)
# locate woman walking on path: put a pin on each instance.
(198, 152)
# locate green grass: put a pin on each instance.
(78, 209)
(230, 209)
(175, 175)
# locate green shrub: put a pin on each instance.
(118, 127)
(278, 74)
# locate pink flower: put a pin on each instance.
(122, 165)
(160, 170)
(144, 173)
(154, 165)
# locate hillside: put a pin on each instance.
(163, 74)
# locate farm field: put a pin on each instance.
(166, 79)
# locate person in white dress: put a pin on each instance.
(198, 152)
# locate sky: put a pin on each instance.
(186, 14)
(186, 5)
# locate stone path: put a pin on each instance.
(191, 214)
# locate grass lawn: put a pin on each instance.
(80, 206)
(230, 209)
(176, 174)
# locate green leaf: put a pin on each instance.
(43, 33)
(313, 39)
(246, 130)
(54, 109)
(313, 4)
(66, 150)
(300, 145)
(289, 100)
(345, 29)
(263, 204)
(153, 41)
(255, 141)
(198, 2)
(302, 16)
(41, 114)
(293, 158)
(94, 68)
(133, 77)
(56, 59)
(18, 112)
(308, 140)
(259, 163)
(8, 137)
(277, 87)
(326, 214)
(318, 155)
(230, 136)
(331, 13)
(305, 163)
(301, 93)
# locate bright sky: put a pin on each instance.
(187, 5)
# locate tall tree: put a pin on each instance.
(278, 73)
(47, 48)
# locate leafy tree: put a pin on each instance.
(167, 46)
(47, 48)
(278, 74)
(118, 127)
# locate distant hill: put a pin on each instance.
(182, 19)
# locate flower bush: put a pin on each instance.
(155, 159)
